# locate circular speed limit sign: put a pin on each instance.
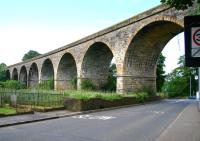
(196, 37)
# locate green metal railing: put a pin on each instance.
(31, 100)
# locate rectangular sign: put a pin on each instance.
(192, 40)
(195, 38)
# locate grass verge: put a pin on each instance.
(7, 111)
(87, 95)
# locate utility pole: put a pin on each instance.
(198, 93)
(190, 87)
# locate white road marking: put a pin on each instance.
(94, 117)
(176, 101)
(180, 100)
(158, 112)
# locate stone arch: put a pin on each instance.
(141, 56)
(67, 72)
(15, 74)
(47, 71)
(23, 75)
(96, 63)
(8, 75)
(33, 76)
(153, 20)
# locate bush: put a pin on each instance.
(79, 94)
(176, 95)
(91, 94)
(87, 85)
(3, 75)
(162, 95)
(110, 85)
(46, 85)
(13, 84)
(1, 84)
(147, 90)
(73, 82)
(86, 95)
(142, 97)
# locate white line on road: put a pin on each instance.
(94, 117)
(176, 101)
(157, 112)
(180, 100)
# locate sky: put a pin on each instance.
(45, 25)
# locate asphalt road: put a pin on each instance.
(138, 123)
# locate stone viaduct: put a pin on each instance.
(135, 44)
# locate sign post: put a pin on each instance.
(192, 43)
(198, 93)
(192, 40)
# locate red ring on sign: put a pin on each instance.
(193, 37)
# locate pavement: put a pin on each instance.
(168, 120)
(36, 117)
(186, 127)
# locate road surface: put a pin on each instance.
(137, 123)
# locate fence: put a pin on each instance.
(31, 100)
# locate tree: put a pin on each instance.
(3, 72)
(30, 55)
(160, 73)
(13, 84)
(112, 79)
(178, 82)
(180, 4)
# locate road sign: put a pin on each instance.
(195, 37)
(192, 40)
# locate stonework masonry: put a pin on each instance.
(135, 44)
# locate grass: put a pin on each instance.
(7, 111)
(47, 98)
(86, 95)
